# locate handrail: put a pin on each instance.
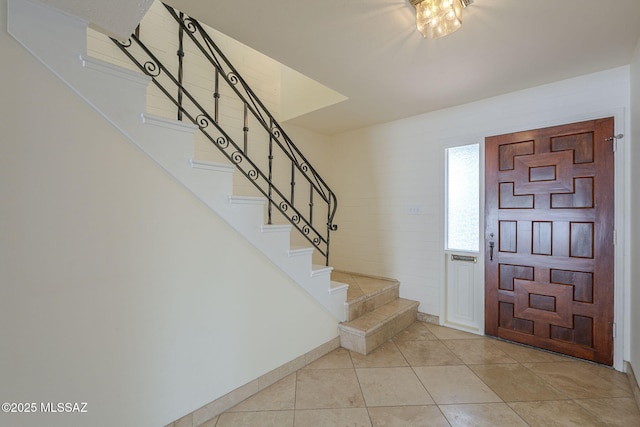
(279, 146)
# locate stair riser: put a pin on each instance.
(300, 266)
(213, 188)
(365, 344)
(360, 308)
(246, 218)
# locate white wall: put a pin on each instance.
(378, 172)
(117, 287)
(635, 213)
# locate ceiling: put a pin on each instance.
(370, 51)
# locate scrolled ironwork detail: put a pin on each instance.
(203, 121)
(283, 206)
(253, 174)
(237, 157)
(190, 26)
(152, 69)
(233, 77)
(222, 142)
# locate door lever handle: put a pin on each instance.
(491, 246)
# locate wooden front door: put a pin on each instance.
(549, 255)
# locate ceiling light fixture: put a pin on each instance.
(437, 18)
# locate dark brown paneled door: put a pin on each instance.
(549, 238)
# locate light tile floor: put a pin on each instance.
(434, 376)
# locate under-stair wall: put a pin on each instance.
(119, 287)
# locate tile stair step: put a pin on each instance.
(359, 306)
(371, 330)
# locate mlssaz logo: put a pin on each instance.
(64, 407)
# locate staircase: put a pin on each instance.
(375, 312)
(369, 308)
(58, 40)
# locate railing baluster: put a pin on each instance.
(293, 183)
(311, 204)
(180, 54)
(216, 97)
(245, 129)
(270, 174)
(329, 229)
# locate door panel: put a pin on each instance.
(549, 229)
(463, 287)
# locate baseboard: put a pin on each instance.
(633, 381)
(428, 318)
(231, 399)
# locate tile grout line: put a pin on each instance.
(295, 397)
(482, 381)
(425, 387)
(355, 372)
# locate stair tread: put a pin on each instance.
(362, 286)
(377, 318)
(300, 251)
(256, 200)
(212, 166)
(335, 285)
(273, 228)
(296, 249)
(318, 270)
(168, 123)
(357, 298)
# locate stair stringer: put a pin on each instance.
(58, 40)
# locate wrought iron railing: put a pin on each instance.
(267, 157)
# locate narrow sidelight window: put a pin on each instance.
(463, 198)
